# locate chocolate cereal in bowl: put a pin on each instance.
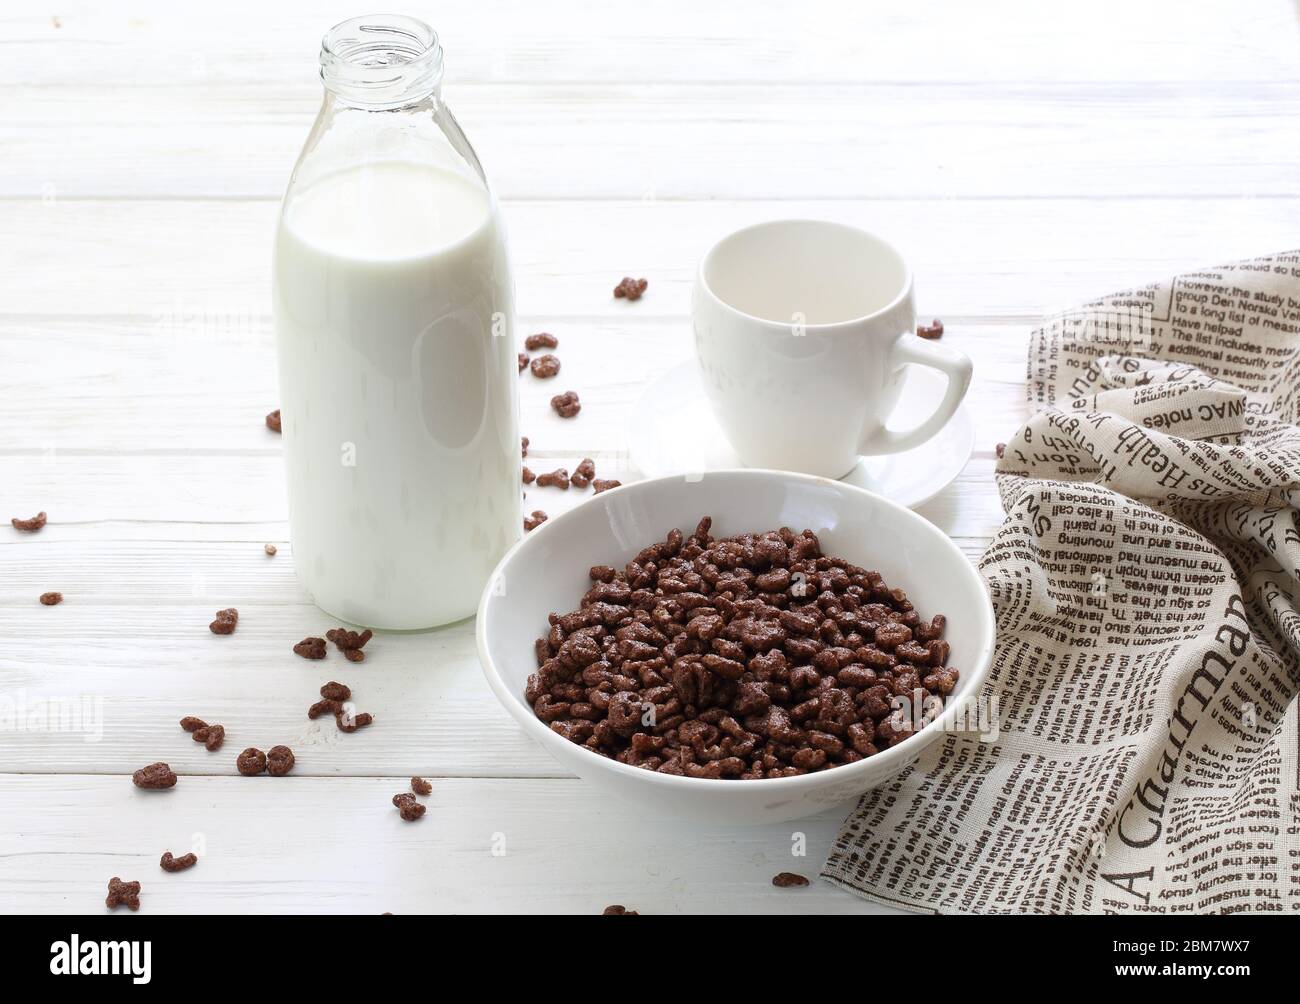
(748, 646)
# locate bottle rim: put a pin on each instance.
(381, 61)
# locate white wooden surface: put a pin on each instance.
(1023, 154)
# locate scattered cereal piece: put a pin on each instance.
(1000, 450)
(934, 330)
(523, 446)
(583, 473)
(350, 643)
(420, 786)
(409, 809)
(787, 880)
(348, 722)
(325, 707)
(270, 550)
(558, 478)
(333, 691)
(311, 648)
(51, 599)
(541, 340)
(273, 420)
(566, 405)
(211, 736)
(545, 367)
(171, 864)
(225, 621)
(630, 289)
(528, 476)
(604, 484)
(618, 910)
(251, 762)
(122, 894)
(189, 723)
(279, 761)
(29, 525)
(155, 777)
(535, 520)
(523, 361)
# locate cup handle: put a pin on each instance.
(953, 364)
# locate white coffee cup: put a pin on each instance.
(803, 329)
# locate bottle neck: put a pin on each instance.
(381, 62)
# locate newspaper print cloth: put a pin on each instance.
(1145, 584)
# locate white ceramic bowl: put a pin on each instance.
(547, 571)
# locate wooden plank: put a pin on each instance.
(186, 269)
(674, 141)
(676, 40)
(335, 845)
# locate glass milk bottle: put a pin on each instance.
(394, 318)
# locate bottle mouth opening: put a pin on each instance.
(381, 60)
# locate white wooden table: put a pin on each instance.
(1024, 155)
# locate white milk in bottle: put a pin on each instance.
(393, 313)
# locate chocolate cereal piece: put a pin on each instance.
(350, 643)
(566, 405)
(523, 361)
(523, 446)
(558, 478)
(122, 894)
(190, 724)
(618, 910)
(528, 476)
(932, 331)
(420, 786)
(155, 777)
(348, 722)
(325, 707)
(407, 807)
(745, 657)
(535, 520)
(545, 367)
(279, 761)
(51, 599)
(583, 473)
(225, 621)
(270, 550)
(273, 420)
(630, 289)
(603, 485)
(541, 340)
(29, 525)
(788, 880)
(251, 762)
(1000, 450)
(333, 691)
(211, 736)
(171, 864)
(311, 648)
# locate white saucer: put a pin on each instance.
(671, 430)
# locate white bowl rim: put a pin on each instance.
(889, 761)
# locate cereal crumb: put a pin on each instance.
(122, 894)
(545, 367)
(1000, 450)
(630, 289)
(273, 420)
(535, 520)
(171, 864)
(279, 761)
(251, 762)
(155, 777)
(933, 330)
(225, 621)
(523, 446)
(51, 599)
(29, 525)
(420, 786)
(787, 880)
(603, 485)
(523, 361)
(566, 405)
(270, 550)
